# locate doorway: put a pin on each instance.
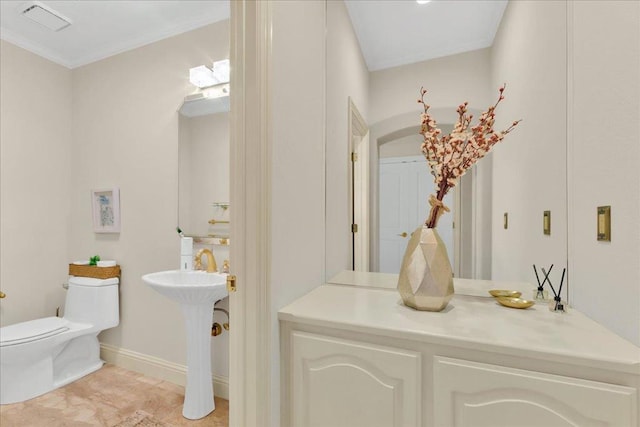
(405, 185)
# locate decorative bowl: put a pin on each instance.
(504, 293)
(515, 302)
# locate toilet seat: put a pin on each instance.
(32, 330)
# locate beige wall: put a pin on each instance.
(113, 123)
(450, 81)
(604, 168)
(529, 166)
(35, 141)
(297, 213)
(125, 134)
(407, 146)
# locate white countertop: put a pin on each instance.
(470, 287)
(474, 322)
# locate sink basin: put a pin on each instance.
(196, 292)
(189, 287)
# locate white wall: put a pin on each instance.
(297, 163)
(35, 141)
(347, 76)
(529, 175)
(604, 168)
(125, 134)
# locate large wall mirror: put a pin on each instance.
(203, 154)
(379, 55)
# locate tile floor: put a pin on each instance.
(106, 397)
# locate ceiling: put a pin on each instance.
(398, 32)
(101, 28)
(390, 32)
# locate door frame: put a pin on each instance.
(358, 133)
(250, 195)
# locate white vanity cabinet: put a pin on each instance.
(354, 356)
(477, 394)
(346, 383)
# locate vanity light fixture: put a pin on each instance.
(221, 71)
(217, 92)
(204, 76)
(201, 76)
(422, 1)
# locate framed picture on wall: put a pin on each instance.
(106, 210)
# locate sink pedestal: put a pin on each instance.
(198, 396)
(196, 292)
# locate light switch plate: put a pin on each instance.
(604, 223)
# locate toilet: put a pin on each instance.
(41, 355)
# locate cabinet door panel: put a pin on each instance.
(476, 394)
(345, 383)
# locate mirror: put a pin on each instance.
(377, 180)
(203, 153)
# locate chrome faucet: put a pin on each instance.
(212, 267)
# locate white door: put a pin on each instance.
(405, 186)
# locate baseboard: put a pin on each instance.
(157, 368)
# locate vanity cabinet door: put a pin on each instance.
(476, 394)
(346, 383)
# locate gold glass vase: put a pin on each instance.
(426, 277)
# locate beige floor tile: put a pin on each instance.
(105, 398)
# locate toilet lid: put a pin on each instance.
(32, 330)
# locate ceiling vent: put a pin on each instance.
(46, 16)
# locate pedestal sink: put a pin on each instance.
(196, 292)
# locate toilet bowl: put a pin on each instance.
(43, 354)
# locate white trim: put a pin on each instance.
(20, 41)
(157, 368)
(250, 306)
(457, 226)
(358, 137)
(475, 242)
(570, 149)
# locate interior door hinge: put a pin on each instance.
(354, 156)
(354, 228)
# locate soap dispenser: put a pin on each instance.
(186, 253)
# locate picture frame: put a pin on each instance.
(106, 210)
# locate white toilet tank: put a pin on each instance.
(93, 301)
